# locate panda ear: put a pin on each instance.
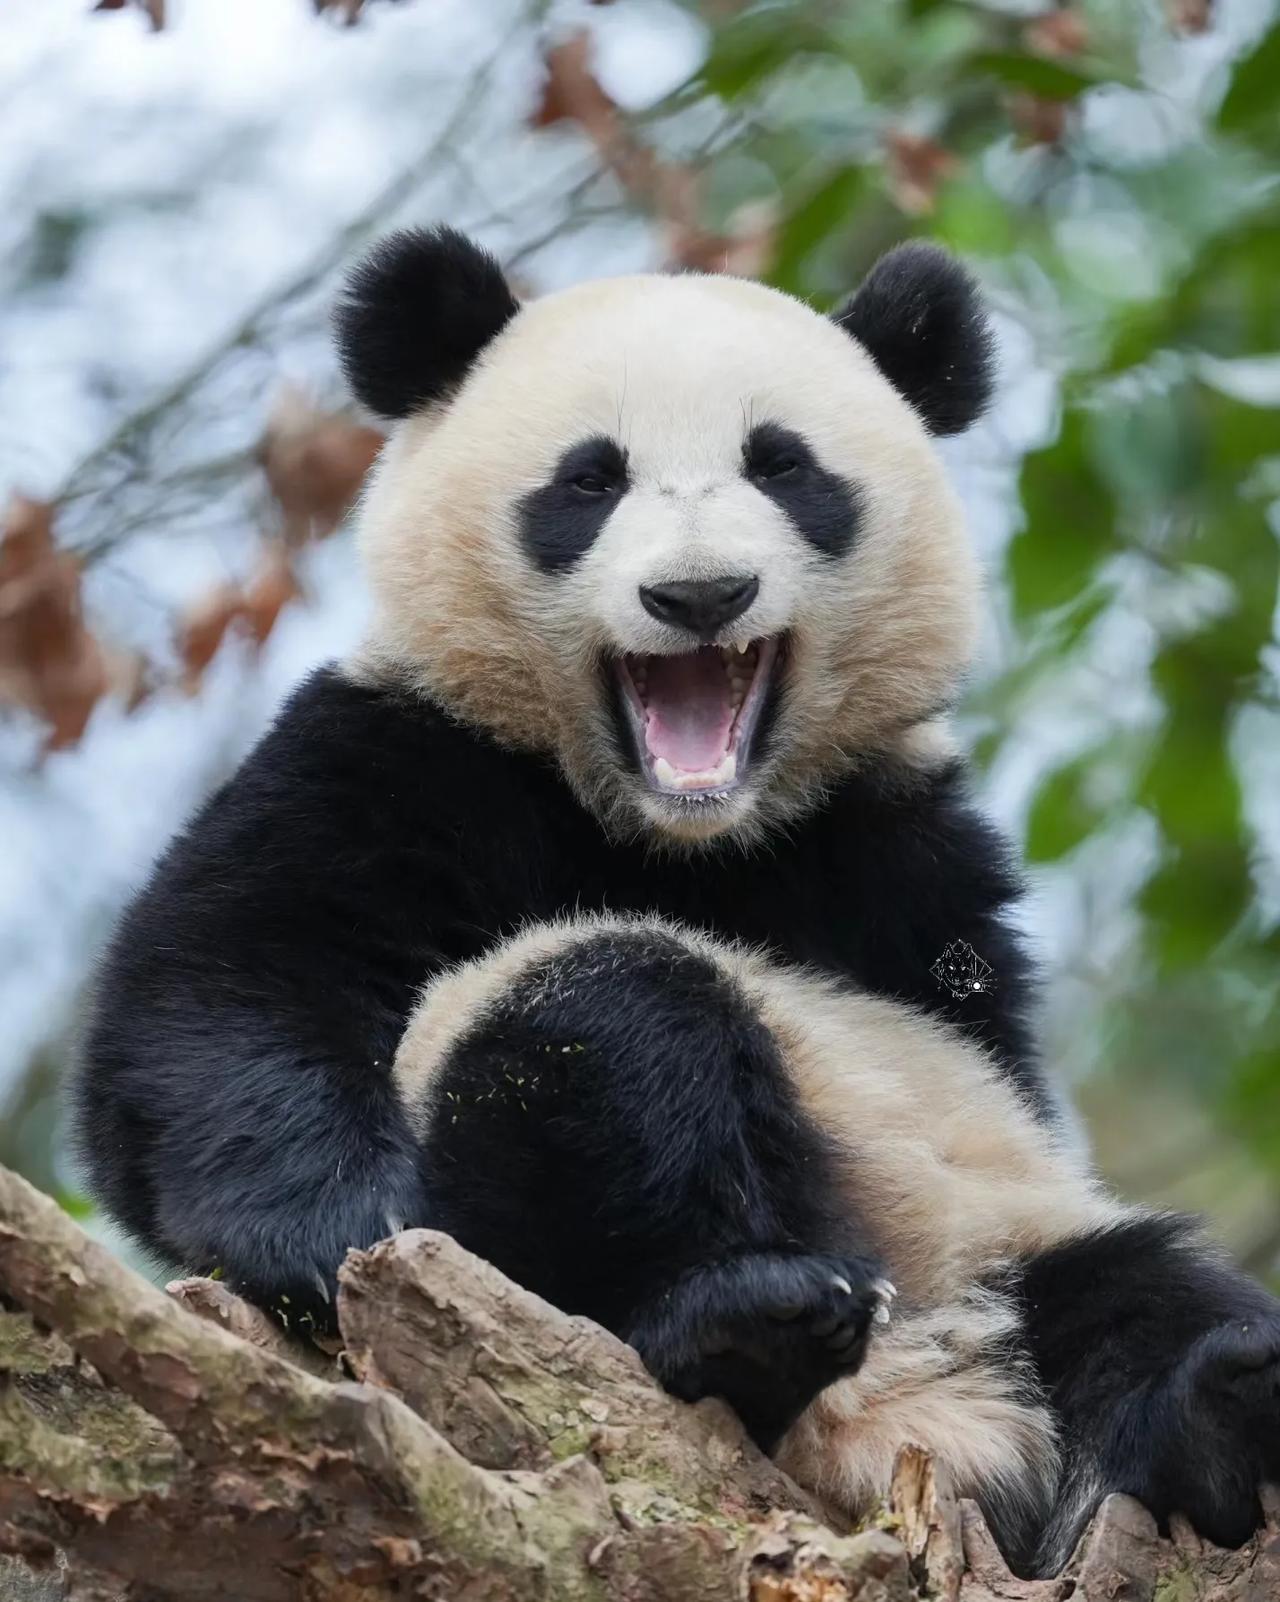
(415, 314)
(919, 317)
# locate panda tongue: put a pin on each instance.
(689, 715)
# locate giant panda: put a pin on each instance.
(593, 912)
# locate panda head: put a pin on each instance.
(685, 533)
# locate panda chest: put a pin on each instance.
(800, 915)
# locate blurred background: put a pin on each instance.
(181, 182)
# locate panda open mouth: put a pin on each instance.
(693, 716)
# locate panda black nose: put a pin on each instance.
(702, 606)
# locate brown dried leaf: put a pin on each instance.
(26, 534)
(315, 463)
(671, 190)
(155, 10)
(348, 10)
(1058, 35)
(250, 610)
(745, 250)
(700, 252)
(1189, 16)
(917, 168)
(268, 593)
(572, 93)
(202, 631)
(1040, 121)
(50, 664)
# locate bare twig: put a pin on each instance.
(132, 452)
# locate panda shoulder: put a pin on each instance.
(352, 762)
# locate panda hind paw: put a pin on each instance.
(767, 1331)
(1218, 1434)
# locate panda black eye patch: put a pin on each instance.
(561, 520)
(822, 506)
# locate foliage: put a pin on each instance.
(1154, 505)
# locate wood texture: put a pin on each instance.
(472, 1443)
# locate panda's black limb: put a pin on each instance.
(765, 1330)
(254, 1182)
(1162, 1364)
(618, 1133)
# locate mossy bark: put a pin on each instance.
(173, 1448)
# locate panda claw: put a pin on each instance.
(842, 1284)
(881, 1314)
(885, 1289)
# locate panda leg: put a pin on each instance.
(615, 1128)
(1163, 1364)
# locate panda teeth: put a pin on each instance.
(713, 778)
(739, 658)
(739, 663)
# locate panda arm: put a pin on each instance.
(916, 870)
(234, 1104)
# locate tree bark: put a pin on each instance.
(471, 1443)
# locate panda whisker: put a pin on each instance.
(622, 401)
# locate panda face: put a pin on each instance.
(684, 533)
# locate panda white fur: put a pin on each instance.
(682, 398)
(592, 914)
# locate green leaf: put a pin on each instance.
(1196, 901)
(755, 46)
(1061, 816)
(1190, 783)
(1204, 889)
(1253, 1102)
(1254, 96)
(1225, 302)
(973, 221)
(1070, 525)
(1051, 80)
(828, 209)
(1143, 450)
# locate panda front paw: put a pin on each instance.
(767, 1331)
(1215, 1433)
(288, 1265)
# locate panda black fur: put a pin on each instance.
(490, 935)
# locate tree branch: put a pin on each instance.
(490, 1448)
(513, 1382)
